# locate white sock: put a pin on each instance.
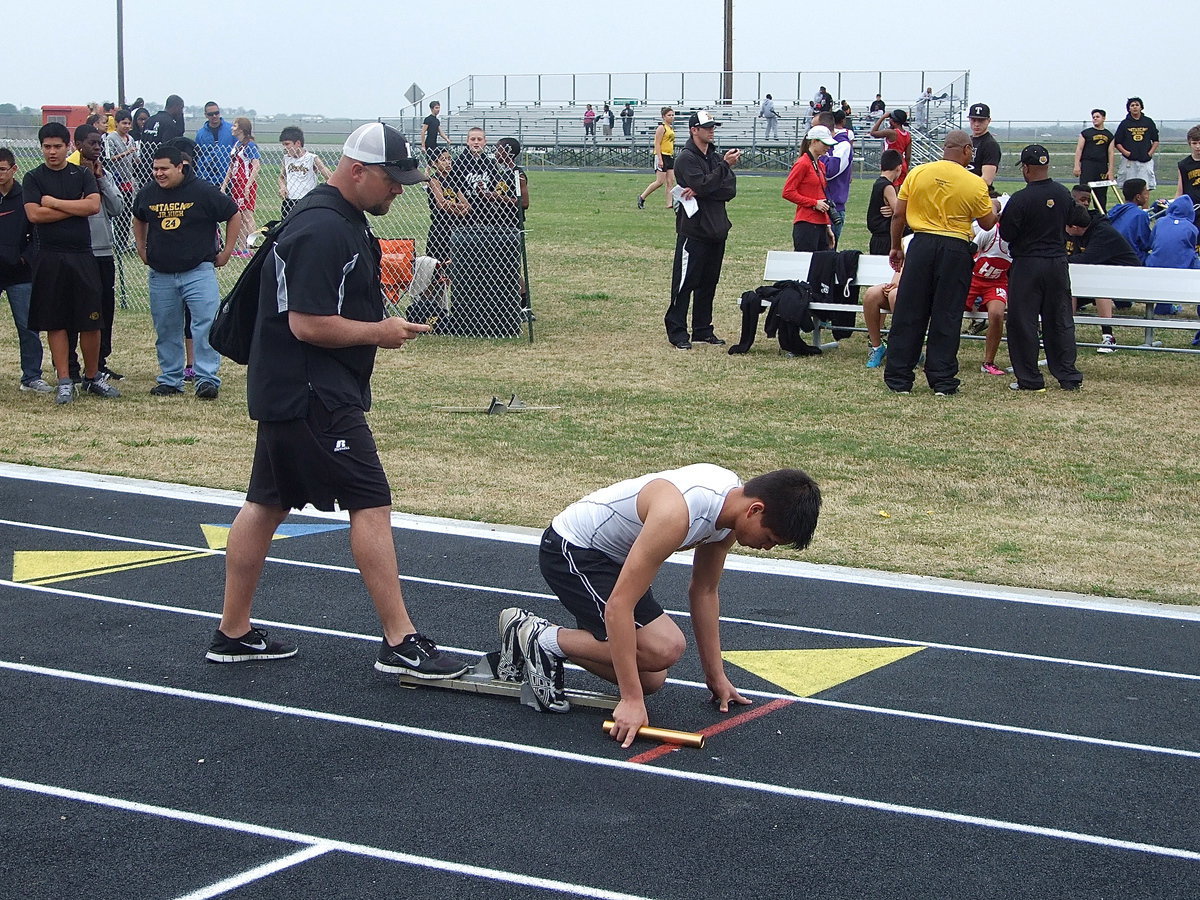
(548, 640)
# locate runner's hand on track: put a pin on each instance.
(724, 693)
(629, 716)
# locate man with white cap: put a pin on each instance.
(705, 176)
(320, 321)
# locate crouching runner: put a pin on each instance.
(601, 555)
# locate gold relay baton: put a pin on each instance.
(691, 739)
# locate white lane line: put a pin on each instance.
(813, 701)
(958, 648)
(618, 764)
(530, 536)
(753, 623)
(225, 885)
(326, 844)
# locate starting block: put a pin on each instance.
(481, 679)
(496, 407)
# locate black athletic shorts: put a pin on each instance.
(668, 162)
(326, 459)
(66, 293)
(583, 580)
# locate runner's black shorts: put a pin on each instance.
(583, 580)
(668, 162)
(66, 292)
(328, 459)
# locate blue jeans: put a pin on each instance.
(169, 292)
(30, 343)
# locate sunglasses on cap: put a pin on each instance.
(404, 165)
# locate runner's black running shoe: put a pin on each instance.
(250, 646)
(419, 657)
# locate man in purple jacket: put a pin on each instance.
(839, 162)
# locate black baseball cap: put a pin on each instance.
(979, 111)
(1034, 155)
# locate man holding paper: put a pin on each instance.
(705, 183)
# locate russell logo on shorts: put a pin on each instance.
(340, 445)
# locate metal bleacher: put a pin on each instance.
(545, 112)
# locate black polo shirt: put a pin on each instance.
(72, 182)
(325, 263)
(181, 222)
(1034, 221)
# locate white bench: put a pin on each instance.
(1133, 283)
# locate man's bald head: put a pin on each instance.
(957, 147)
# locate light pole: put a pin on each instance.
(727, 74)
(120, 54)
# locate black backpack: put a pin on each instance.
(232, 330)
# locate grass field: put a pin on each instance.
(1094, 491)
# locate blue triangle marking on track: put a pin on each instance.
(288, 529)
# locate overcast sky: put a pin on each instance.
(1028, 59)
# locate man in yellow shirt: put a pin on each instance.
(938, 201)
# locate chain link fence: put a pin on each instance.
(453, 251)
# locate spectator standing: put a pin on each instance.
(1188, 183)
(771, 119)
(609, 120)
(707, 177)
(241, 177)
(122, 154)
(627, 120)
(473, 177)
(447, 207)
(431, 130)
(298, 170)
(1034, 223)
(165, 125)
(839, 170)
(91, 152)
(59, 196)
(896, 136)
(1094, 156)
(214, 143)
(806, 187)
(882, 204)
(589, 123)
(308, 388)
(938, 201)
(15, 274)
(985, 161)
(175, 225)
(921, 108)
(664, 159)
(1137, 142)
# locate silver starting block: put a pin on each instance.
(481, 679)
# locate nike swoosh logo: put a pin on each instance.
(412, 662)
(261, 645)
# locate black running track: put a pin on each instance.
(1035, 747)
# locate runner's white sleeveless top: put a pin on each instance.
(607, 519)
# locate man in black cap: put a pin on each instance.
(986, 159)
(320, 321)
(708, 183)
(1039, 283)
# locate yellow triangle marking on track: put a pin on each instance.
(808, 672)
(50, 566)
(216, 536)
